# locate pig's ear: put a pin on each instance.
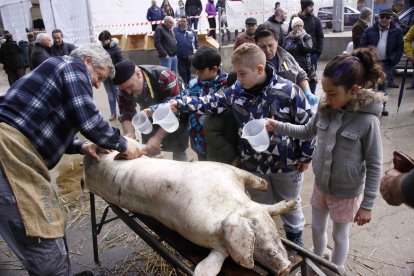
(239, 239)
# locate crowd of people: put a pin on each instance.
(273, 78)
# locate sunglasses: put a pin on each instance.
(388, 17)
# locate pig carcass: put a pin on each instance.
(203, 201)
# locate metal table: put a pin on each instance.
(154, 233)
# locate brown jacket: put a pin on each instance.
(357, 31)
(243, 38)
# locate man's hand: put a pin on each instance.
(391, 187)
(133, 150)
(92, 150)
(362, 216)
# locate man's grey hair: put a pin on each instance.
(100, 57)
(169, 19)
(365, 13)
(41, 36)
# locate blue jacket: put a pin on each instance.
(395, 41)
(281, 100)
(154, 14)
(187, 42)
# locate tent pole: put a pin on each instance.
(88, 5)
(53, 15)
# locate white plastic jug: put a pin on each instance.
(256, 134)
(164, 117)
(141, 123)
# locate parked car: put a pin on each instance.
(325, 14)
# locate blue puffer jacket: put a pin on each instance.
(395, 41)
(187, 42)
(281, 100)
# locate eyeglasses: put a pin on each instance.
(388, 17)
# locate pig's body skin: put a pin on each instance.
(203, 201)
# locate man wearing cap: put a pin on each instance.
(277, 21)
(248, 35)
(313, 27)
(388, 39)
(148, 85)
(359, 27)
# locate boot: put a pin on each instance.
(295, 237)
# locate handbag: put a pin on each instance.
(402, 162)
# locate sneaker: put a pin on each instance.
(393, 85)
(295, 237)
(384, 113)
(112, 118)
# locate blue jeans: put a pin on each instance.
(39, 256)
(170, 63)
(388, 70)
(194, 22)
(112, 92)
(314, 61)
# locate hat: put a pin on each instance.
(305, 3)
(251, 20)
(386, 11)
(123, 71)
(365, 12)
(296, 21)
(8, 36)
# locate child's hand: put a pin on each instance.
(271, 125)
(148, 111)
(173, 105)
(363, 216)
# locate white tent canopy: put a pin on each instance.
(16, 17)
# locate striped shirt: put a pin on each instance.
(54, 102)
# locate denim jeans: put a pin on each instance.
(39, 256)
(112, 92)
(314, 61)
(170, 63)
(193, 22)
(388, 70)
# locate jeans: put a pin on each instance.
(314, 61)
(388, 70)
(39, 256)
(193, 22)
(170, 63)
(283, 186)
(112, 92)
(184, 69)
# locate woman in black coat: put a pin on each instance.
(299, 44)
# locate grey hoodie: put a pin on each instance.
(348, 156)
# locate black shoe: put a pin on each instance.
(393, 85)
(295, 237)
(384, 113)
(410, 88)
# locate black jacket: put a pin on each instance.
(193, 7)
(114, 51)
(164, 42)
(11, 55)
(395, 41)
(280, 28)
(313, 27)
(62, 50)
(39, 54)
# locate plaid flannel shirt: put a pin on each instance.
(51, 104)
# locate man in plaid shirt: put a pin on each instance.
(39, 118)
(147, 85)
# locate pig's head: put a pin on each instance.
(254, 236)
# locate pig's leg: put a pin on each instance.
(211, 265)
(250, 180)
(281, 207)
